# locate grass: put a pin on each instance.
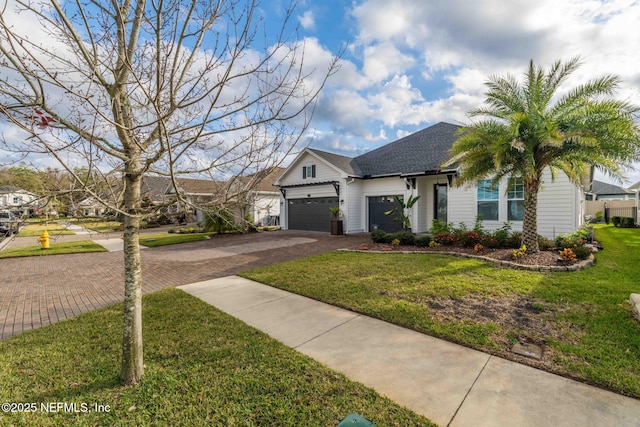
(80, 246)
(36, 230)
(589, 308)
(100, 226)
(164, 239)
(203, 367)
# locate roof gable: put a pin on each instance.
(344, 163)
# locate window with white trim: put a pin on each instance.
(515, 199)
(488, 200)
(308, 171)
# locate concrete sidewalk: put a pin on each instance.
(447, 383)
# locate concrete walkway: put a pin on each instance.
(447, 383)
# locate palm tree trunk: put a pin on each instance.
(530, 223)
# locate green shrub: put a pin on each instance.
(500, 237)
(406, 238)
(423, 241)
(478, 227)
(544, 243)
(616, 221)
(582, 251)
(379, 236)
(491, 242)
(514, 240)
(580, 236)
(171, 230)
(470, 238)
(445, 238)
(219, 220)
(627, 222)
(438, 227)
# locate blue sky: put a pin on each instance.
(412, 63)
(408, 64)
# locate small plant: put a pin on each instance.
(478, 248)
(582, 251)
(406, 238)
(438, 226)
(434, 245)
(567, 254)
(544, 244)
(445, 238)
(514, 240)
(395, 243)
(380, 236)
(423, 241)
(478, 227)
(335, 212)
(501, 237)
(599, 216)
(520, 253)
(171, 230)
(470, 238)
(403, 211)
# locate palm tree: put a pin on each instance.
(529, 126)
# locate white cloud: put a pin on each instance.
(307, 20)
(384, 60)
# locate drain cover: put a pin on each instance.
(528, 350)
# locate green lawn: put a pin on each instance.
(99, 226)
(163, 239)
(36, 230)
(203, 367)
(582, 319)
(80, 246)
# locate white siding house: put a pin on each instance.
(16, 199)
(365, 187)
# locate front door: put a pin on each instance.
(440, 202)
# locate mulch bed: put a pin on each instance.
(542, 258)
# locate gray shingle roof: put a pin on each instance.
(599, 187)
(422, 152)
(345, 163)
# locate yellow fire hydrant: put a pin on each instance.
(44, 239)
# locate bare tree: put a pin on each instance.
(163, 86)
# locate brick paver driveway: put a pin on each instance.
(38, 291)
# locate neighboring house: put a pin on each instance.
(254, 195)
(17, 200)
(605, 191)
(90, 207)
(263, 198)
(365, 187)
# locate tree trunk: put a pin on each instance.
(530, 223)
(132, 361)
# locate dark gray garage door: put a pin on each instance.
(377, 219)
(311, 214)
